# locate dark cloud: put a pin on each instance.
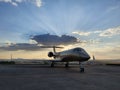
(21, 46)
(47, 39)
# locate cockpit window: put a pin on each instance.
(77, 49)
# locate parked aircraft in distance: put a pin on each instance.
(75, 54)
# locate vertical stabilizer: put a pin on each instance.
(54, 50)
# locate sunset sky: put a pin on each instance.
(25, 25)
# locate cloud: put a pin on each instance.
(21, 46)
(19, 1)
(98, 31)
(40, 42)
(112, 8)
(14, 3)
(37, 3)
(103, 33)
(47, 39)
(82, 33)
(110, 32)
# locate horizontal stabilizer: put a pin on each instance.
(51, 47)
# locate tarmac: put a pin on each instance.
(43, 77)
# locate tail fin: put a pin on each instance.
(54, 47)
(54, 50)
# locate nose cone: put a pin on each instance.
(87, 58)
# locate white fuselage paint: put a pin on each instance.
(75, 54)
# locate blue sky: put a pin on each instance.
(96, 23)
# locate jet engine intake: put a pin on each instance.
(50, 54)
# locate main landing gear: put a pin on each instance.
(67, 65)
(52, 64)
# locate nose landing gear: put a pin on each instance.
(81, 68)
(67, 64)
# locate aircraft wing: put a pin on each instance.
(54, 60)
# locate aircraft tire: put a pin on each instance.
(82, 70)
(52, 64)
(66, 65)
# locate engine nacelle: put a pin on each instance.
(50, 54)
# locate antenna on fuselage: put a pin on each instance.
(93, 58)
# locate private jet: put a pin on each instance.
(71, 55)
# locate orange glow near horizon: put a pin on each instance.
(99, 53)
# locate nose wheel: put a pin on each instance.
(82, 68)
(67, 64)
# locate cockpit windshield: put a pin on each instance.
(77, 49)
(81, 52)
